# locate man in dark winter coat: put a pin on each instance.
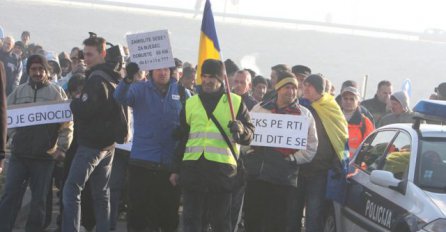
(95, 112)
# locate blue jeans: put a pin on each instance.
(118, 178)
(21, 170)
(311, 195)
(94, 165)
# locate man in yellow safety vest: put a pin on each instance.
(208, 155)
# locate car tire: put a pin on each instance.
(330, 221)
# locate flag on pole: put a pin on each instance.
(209, 47)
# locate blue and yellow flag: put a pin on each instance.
(209, 47)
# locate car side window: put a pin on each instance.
(398, 155)
(373, 150)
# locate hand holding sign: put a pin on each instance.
(151, 50)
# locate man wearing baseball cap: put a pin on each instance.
(359, 126)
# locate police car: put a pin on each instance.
(397, 179)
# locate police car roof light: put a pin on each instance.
(429, 110)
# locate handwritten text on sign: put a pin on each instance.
(151, 50)
(280, 130)
(36, 114)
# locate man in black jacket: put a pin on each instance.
(208, 165)
(94, 110)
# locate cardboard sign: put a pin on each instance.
(280, 130)
(151, 50)
(38, 113)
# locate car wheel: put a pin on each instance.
(330, 221)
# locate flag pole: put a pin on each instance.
(228, 90)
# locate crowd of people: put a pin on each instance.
(190, 143)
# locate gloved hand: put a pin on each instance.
(131, 69)
(236, 128)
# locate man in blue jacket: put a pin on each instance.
(153, 201)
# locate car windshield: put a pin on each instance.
(432, 164)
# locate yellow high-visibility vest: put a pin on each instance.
(204, 136)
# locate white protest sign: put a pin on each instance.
(280, 130)
(151, 50)
(38, 113)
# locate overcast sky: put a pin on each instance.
(410, 15)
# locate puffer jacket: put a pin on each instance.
(39, 141)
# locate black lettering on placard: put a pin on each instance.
(294, 125)
(20, 119)
(276, 123)
(258, 122)
(300, 142)
(10, 120)
(288, 141)
(257, 138)
(274, 139)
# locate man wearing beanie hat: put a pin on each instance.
(156, 104)
(331, 156)
(273, 172)
(209, 151)
(34, 149)
(401, 112)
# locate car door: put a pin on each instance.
(370, 207)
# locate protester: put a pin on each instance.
(301, 72)
(363, 110)
(440, 92)
(75, 86)
(276, 68)
(231, 69)
(331, 156)
(55, 69)
(95, 110)
(359, 126)
(77, 66)
(33, 155)
(273, 171)
(259, 88)
(12, 63)
(242, 87)
(400, 110)
(177, 71)
(378, 105)
(207, 156)
(153, 201)
(188, 79)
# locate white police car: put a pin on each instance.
(398, 178)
